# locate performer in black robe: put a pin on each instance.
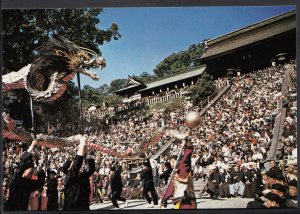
(116, 186)
(148, 184)
(166, 175)
(52, 192)
(21, 184)
(77, 184)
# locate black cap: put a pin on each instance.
(27, 160)
(147, 163)
(293, 183)
(279, 187)
(52, 172)
(273, 197)
(271, 174)
(66, 166)
(168, 165)
(279, 177)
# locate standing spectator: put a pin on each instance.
(127, 183)
(99, 189)
(61, 194)
(22, 185)
(136, 190)
(52, 191)
(166, 173)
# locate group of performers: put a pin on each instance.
(77, 182)
(58, 61)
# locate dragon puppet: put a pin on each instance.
(45, 80)
(11, 131)
(58, 62)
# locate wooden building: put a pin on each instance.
(251, 48)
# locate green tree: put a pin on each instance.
(203, 88)
(177, 62)
(23, 31)
(116, 85)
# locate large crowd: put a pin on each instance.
(231, 148)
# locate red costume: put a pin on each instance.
(181, 186)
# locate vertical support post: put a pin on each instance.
(80, 104)
(32, 117)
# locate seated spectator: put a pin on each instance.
(214, 180)
(292, 193)
(136, 190)
(236, 185)
(224, 184)
(273, 200)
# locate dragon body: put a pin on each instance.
(46, 80)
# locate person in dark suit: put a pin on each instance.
(116, 186)
(237, 185)
(166, 173)
(213, 182)
(21, 184)
(148, 184)
(224, 184)
(250, 176)
(274, 168)
(77, 184)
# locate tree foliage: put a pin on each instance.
(117, 84)
(177, 62)
(203, 88)
(97, 96)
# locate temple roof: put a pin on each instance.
(131, 83)
(175, 78)
(250, 34)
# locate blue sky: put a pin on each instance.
(151, 34)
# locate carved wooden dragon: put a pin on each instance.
(46, 80)
(58, 62)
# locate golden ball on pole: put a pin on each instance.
(193, 119)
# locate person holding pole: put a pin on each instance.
(21, 185)
(116, 186)
(181, 183)
(148, 184)
(77, 184)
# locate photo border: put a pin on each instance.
(34, 4)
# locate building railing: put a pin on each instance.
(138, 103)
(275, 147)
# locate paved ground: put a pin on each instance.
(202, 203)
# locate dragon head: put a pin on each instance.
(58, 62)
(81, 59)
